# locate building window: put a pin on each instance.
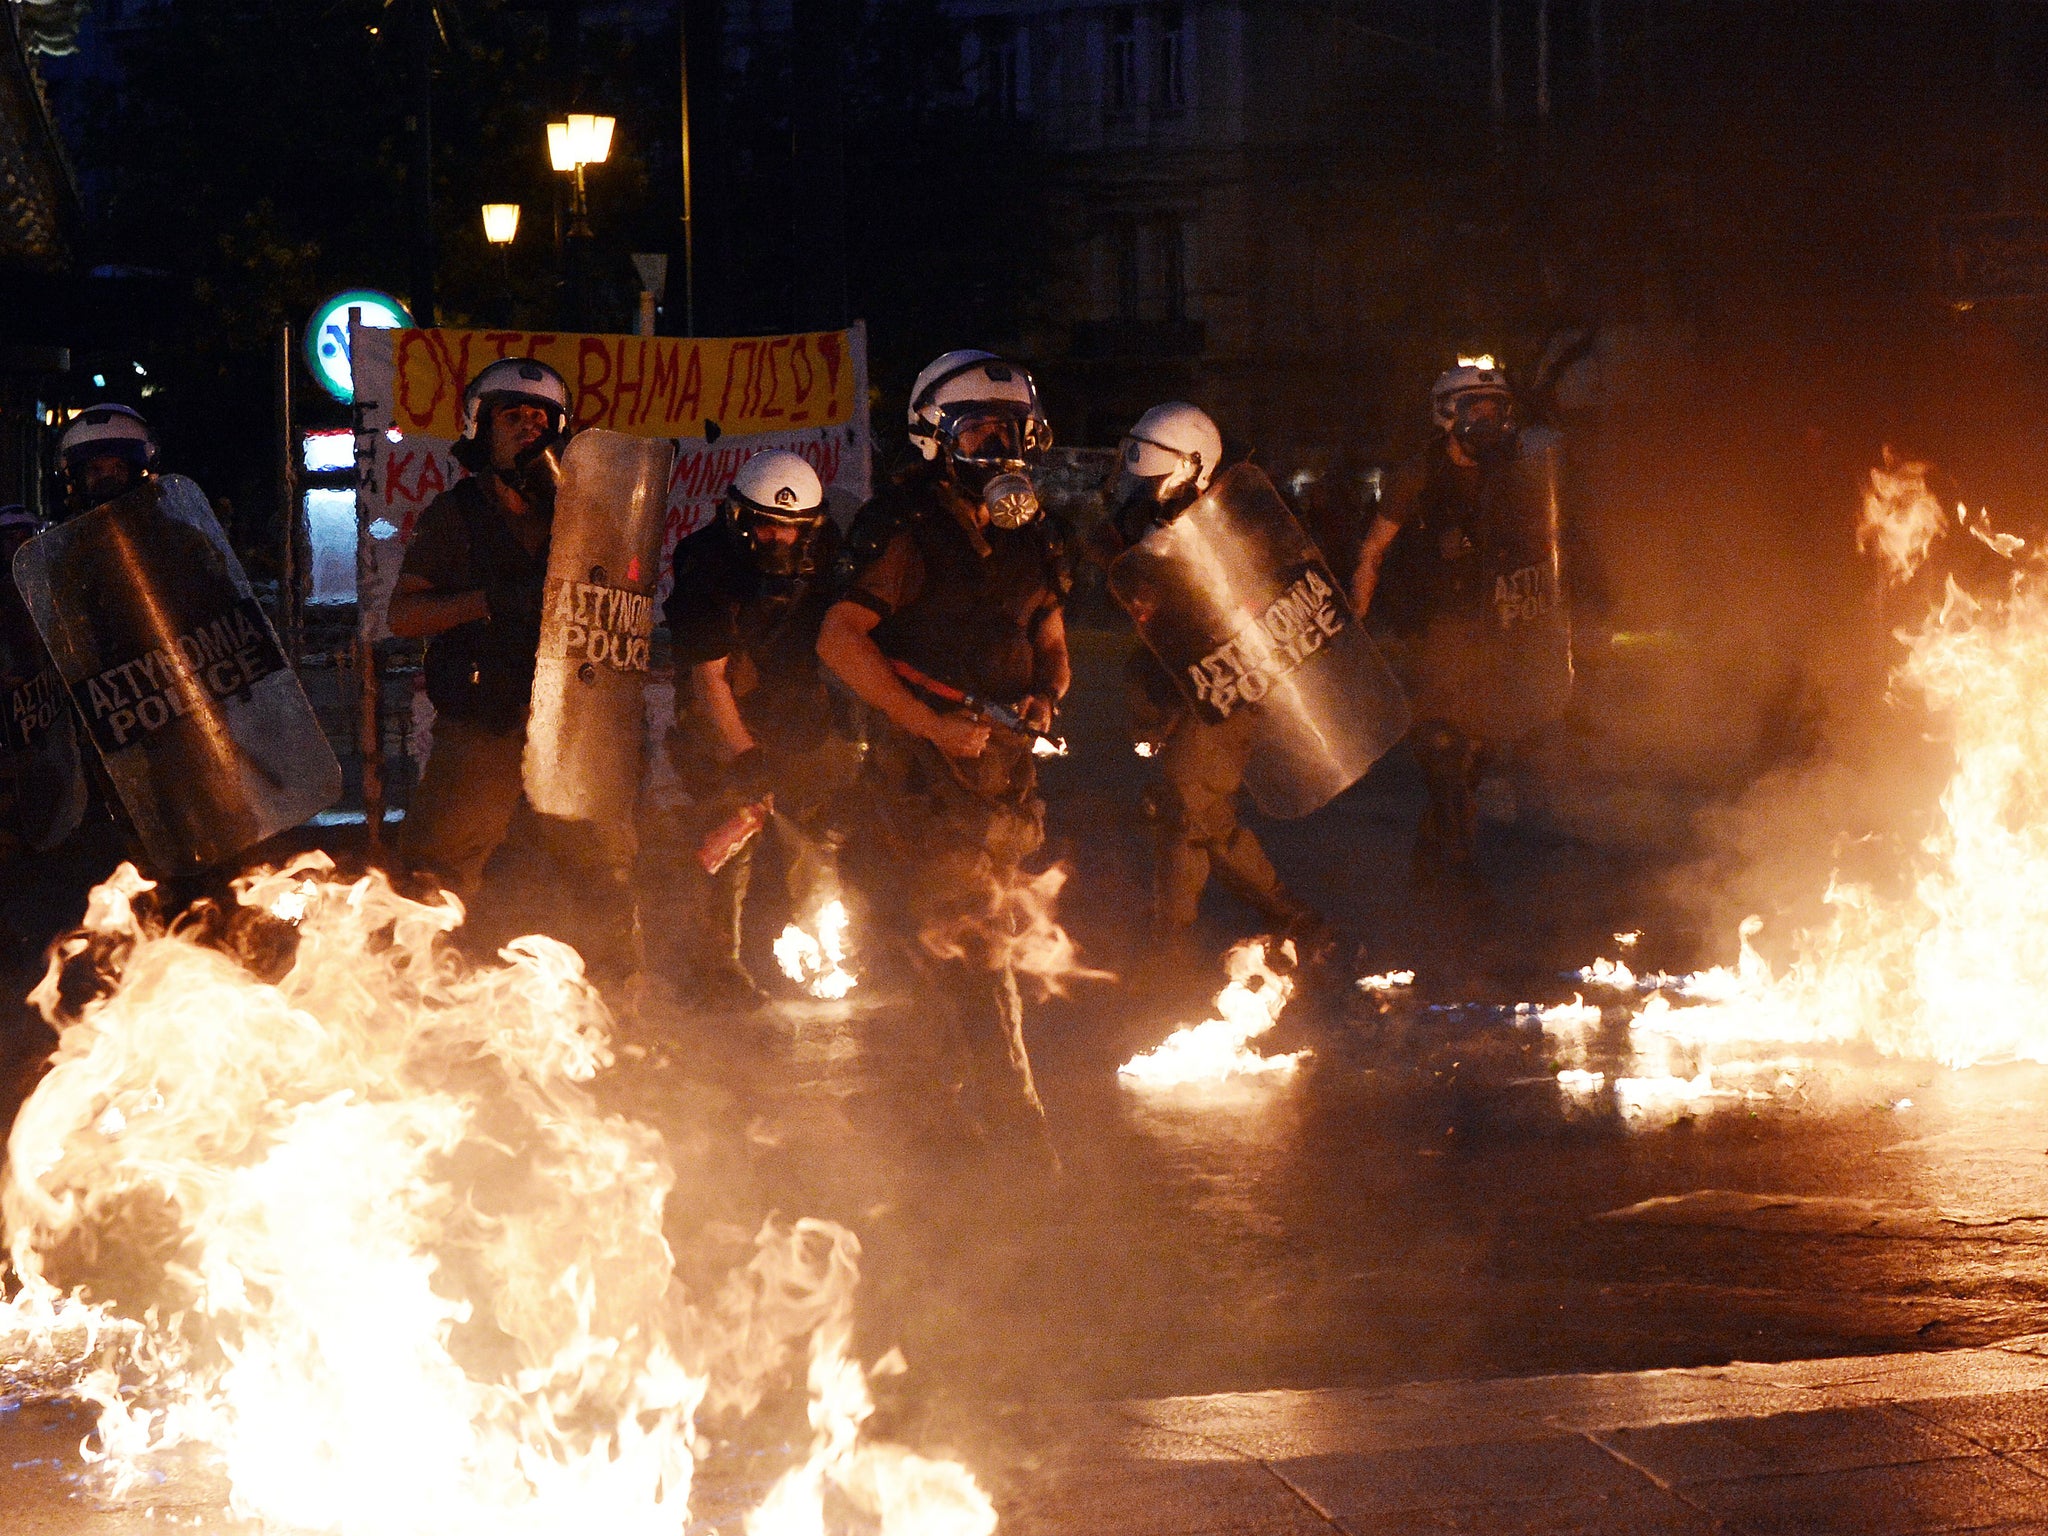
(1173, 272)
(1130, 284)
(1123, 59)
(1002, 82)
(1170, 78)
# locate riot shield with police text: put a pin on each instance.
(40, 769)
(1503, 667)
(176, 676)
(1236, 602)
(42, 779)
(585, 733)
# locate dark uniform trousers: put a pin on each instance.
(1193, 810)
(463, 810)
(809, 786)
(946, 838)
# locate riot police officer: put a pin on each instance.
(1466, 549)
(749, 597)
(957, 588)
(471, 587)
(105, 452)
(1165, 462)
(202, 735)
(42, 787)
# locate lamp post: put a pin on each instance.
(585, 138)
(501, 228)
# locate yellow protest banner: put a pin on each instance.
(651, 386)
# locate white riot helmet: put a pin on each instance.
(1163, 464)
(1175, 444)
(979, 415)
(114, 429)
(1473, 377)
(520, 381)
(99, 432)
(17, 526)
(1473, 403)
(515, 381)
(776, 490)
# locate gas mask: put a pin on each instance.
(1011, 500)
(1485, 428)
(989, 449)
(90, 484)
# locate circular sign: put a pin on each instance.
(327, 335)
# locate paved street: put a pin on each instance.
(1414, 1286)
(1956, 1441)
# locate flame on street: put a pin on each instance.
(818, 963)
(1954, 969)
(353, 1230)
(1014, 926)
(1247, 1007)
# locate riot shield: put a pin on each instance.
(1241, 609)
(176, 675)
(42, 781)
(43, 776)
(584, 735)
(1503, 668)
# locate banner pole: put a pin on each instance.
(363, 652)
(288, 506)
(689, 234)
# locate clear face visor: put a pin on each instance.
(1482, 409)
(1146, 458)
(499, 401)
(126, 450)
(780, 540)
(1004, 434)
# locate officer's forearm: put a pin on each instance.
(1364, 582)
(711, 691)
(1365, 579)
(422, 615)
(1052, 671)
(847, 648)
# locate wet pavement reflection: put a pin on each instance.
(1420, 1200)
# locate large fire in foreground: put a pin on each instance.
(382, 1256)
(1955, 968)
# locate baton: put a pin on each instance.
(994, 714)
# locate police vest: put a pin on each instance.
(974, 619)
(482, 671)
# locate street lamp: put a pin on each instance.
(501, 227)
(584, 139)
(501, 223)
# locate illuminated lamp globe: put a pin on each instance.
(501, 222)
(590, 137)
(561, 153)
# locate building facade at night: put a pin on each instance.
(1233, 220)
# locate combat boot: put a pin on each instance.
(718, 978)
